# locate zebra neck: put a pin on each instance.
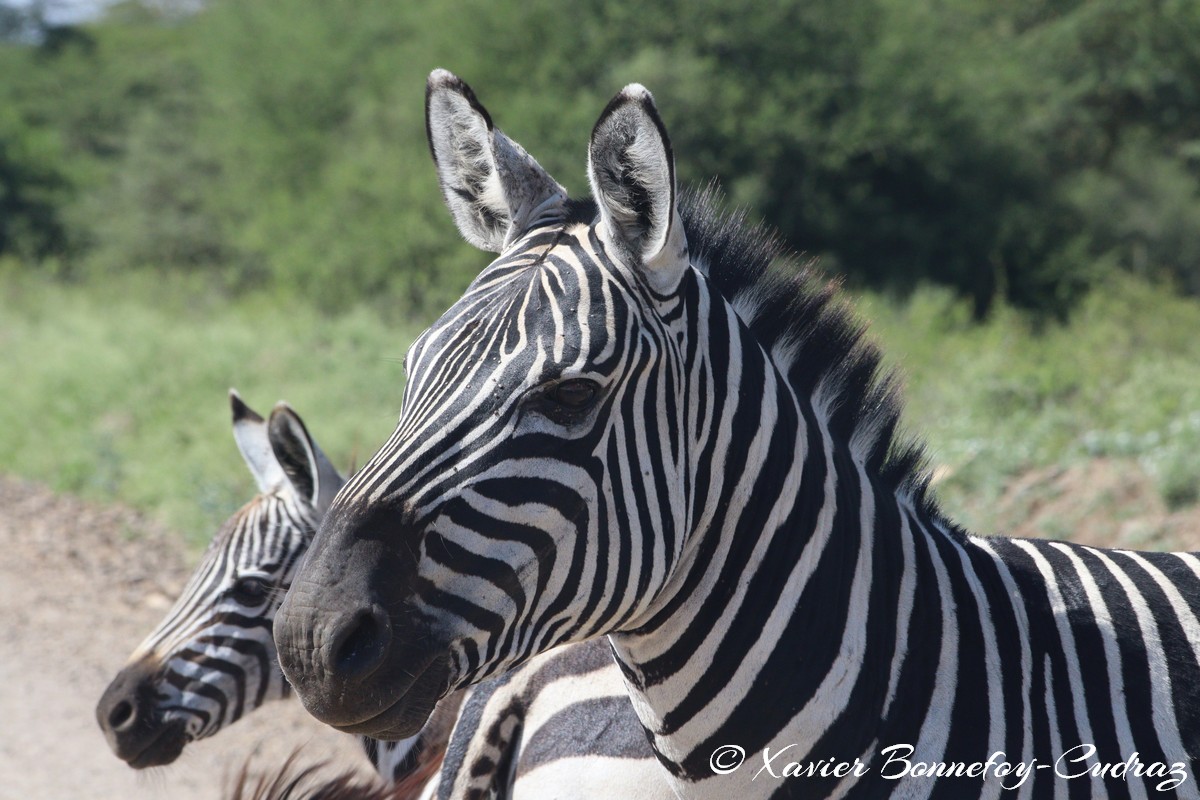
(795, 592)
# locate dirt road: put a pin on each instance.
(80, 585)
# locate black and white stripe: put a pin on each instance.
(560, 726)
(212, 660)
(633, 424)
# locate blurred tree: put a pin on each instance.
(31, 191)
(1014, 152)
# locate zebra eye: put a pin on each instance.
(250, 591)
(576, 394)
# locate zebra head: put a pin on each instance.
(508, 512)
(212, 658)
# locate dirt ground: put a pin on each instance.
(80, 585)
(1102, 503)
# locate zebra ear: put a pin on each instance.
(250, 433)
(494, 189)
(308, 471)
(632, 173)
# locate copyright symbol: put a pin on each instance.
(726, 759)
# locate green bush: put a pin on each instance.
(119, 390)
(1010, 153)
(992, 400)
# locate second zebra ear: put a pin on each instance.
(250, 433)
(632, 172)
(309, 472)
(494, 189)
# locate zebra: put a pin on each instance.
(647, 420)
(212, 660)
(559, 727)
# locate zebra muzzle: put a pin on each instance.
(132, 724)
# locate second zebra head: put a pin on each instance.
(212, 659)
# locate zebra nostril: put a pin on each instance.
(362, 645)
(122, 716)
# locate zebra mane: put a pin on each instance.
(293, 781)
(812, 336)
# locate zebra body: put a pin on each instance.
(631, 424)
(561, 726)
(212, 660)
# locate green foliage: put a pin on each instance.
(1011, 152)
(1144, 213)
(159, 208)
(1116, 104)
(119, 392)
(1120, 379)
(31, 190)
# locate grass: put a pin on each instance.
(118, 391)
(1120, 380)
